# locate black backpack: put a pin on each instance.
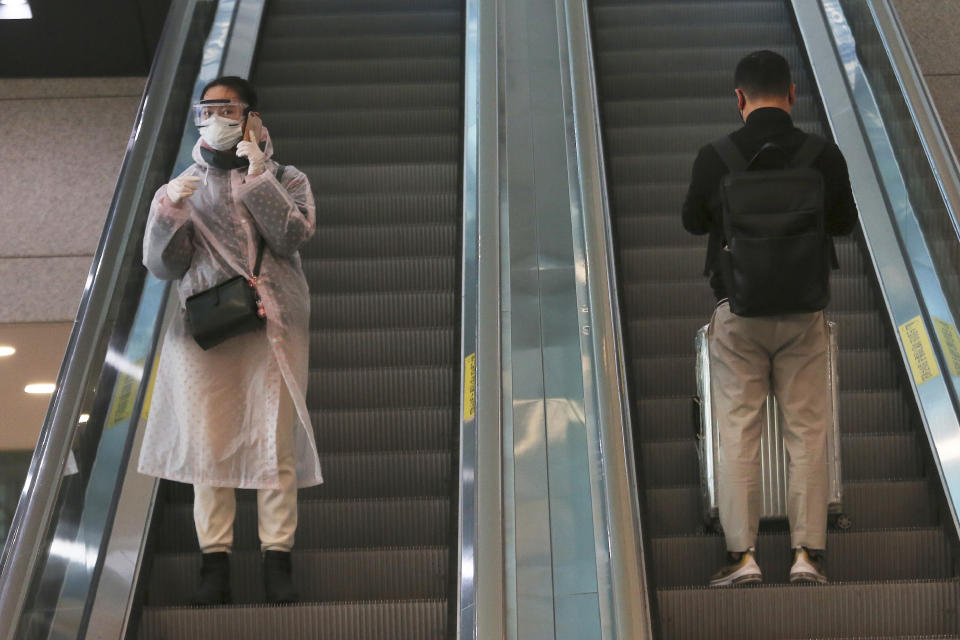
(776, 252)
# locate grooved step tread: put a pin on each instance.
(395, 620)
(354, 575)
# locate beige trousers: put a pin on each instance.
(747, 356)
(215, 508)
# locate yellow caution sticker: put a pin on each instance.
(950, 341)
(916, 342)
(124, 397)
(470, 387)
(149, 395)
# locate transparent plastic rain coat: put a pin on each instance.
(213, 414)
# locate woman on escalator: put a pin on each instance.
(234, 414)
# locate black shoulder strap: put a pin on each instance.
(811, 148)
(730, 154)
(256, 267)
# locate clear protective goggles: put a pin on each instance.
(203, 110)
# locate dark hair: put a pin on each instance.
(243, 88)
(763, 74)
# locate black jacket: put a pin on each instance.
(702, 208)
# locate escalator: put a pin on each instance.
(366, 99)
(664, 75)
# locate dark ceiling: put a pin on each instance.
(71, 38)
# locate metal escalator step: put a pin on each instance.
(689, 13)
(380, 274)
(878, 504)
(882, 609)
(396, 620)
(390, 22)
(300, 7)
(367, 96)
(385, 347)
(624, 141)
(385, 178)
(356, 575)
(719, 59)
(675, 336)
(328, 524)
(366, 122)
(386, 208)
(666, 418)
(384, 310)
(665, 84)
(360, 475)
(403, 474)
(651, 167)
(419, 429)
(380, 149)
(386, 241)
(345, 72)
(673, 111)
(380, 387)
(905, 554)
(875, 456)
(684, 36)
(359, 47)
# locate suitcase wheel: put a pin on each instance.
(840, 521)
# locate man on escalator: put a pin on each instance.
(770, 197)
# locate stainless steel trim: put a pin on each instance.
(479, 611)
(916, 95)
(625, 598)
(909, 285)
(239, 49)
(40, 491)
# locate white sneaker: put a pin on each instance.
(807, 567)
(742, 570)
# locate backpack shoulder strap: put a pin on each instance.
(811, 148)
(730, 154)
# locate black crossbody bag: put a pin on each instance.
(230, 308)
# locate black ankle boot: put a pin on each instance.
(277, 580)
(214, 580)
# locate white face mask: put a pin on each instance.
(220, 133)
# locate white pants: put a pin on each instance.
(748, 356)
(215, 508)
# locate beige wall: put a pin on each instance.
(61, 145)
(932, 27)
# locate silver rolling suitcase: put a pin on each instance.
(773, 454)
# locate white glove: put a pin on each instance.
(251, 151)
(182, 187)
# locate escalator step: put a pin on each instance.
(296, 7)
(371, 275)
(854, 556)
(720, 60)
(329, 524)
(389, 22)
(418, 429)
(685, 36)
(885, 609)
(704, 12)
(667, 418)
(360, 97)
(386, 208)
(364, 122)
(359, 47)
(879, 456)
(385, 178)
(381, 387)
(677, 111)
(345, 72)
(387, 241)
(385, 348)
(383, 310)
(343, 621)
(869, 505)
(374, 574)
(380, 149)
